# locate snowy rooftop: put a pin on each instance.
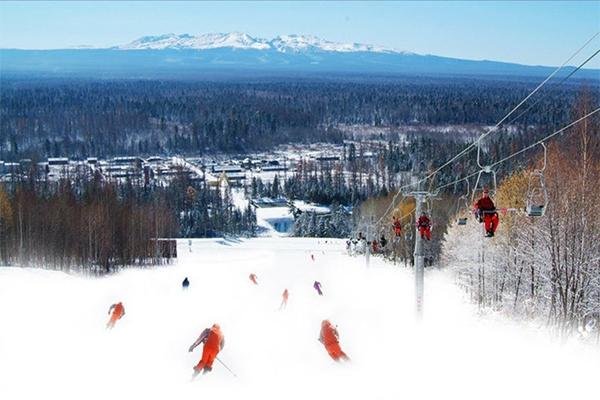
(273, 213)
(311, 207)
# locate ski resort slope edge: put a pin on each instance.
(53, 342)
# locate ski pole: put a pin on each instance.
(228, 369)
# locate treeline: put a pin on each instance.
(86, 223)
(323, 183)
(547, 267)
(79, 118)
(337, 224)
(206, 211)
(87, 226)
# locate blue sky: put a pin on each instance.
(540, 32)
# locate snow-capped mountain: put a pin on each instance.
(238, 40)
(202, 42)
(239, 54)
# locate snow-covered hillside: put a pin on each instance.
(238, 40)
(53, 344)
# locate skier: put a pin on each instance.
(185, 284)
(118, 311)
(284, 299)
(317, 286)
(424, 225)
(312, 256)
(485, 210)
(397, 226)
(330, 338)
(214, 341)
(253, 279)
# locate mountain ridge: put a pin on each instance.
(237, 52)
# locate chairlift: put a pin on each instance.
(537, 194)
(491, 188)
(397, 226)
(484, 169)
(462, 201)
(409, 232)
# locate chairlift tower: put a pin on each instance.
(419, 256)
(367, 247)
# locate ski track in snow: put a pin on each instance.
(53, 344)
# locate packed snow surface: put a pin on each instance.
(54, 345)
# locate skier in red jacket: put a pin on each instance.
(485, 210)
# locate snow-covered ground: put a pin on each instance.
(53, 344)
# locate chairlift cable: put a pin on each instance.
(525, 148)
(558, 84)
(485, 134)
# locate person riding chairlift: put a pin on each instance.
(485, 211)
(397, 226)
(375, 246)
(424, 225)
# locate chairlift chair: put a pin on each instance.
(492, 186)
(537, 194)
(463, 200)
(484, 169)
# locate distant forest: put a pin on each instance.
(81, 118)
(87, 223)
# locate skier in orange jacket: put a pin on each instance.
(214, 341)
(330, 339)
(284, 299)
(118, 311)
(253, 279)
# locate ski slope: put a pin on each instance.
(53, 344)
